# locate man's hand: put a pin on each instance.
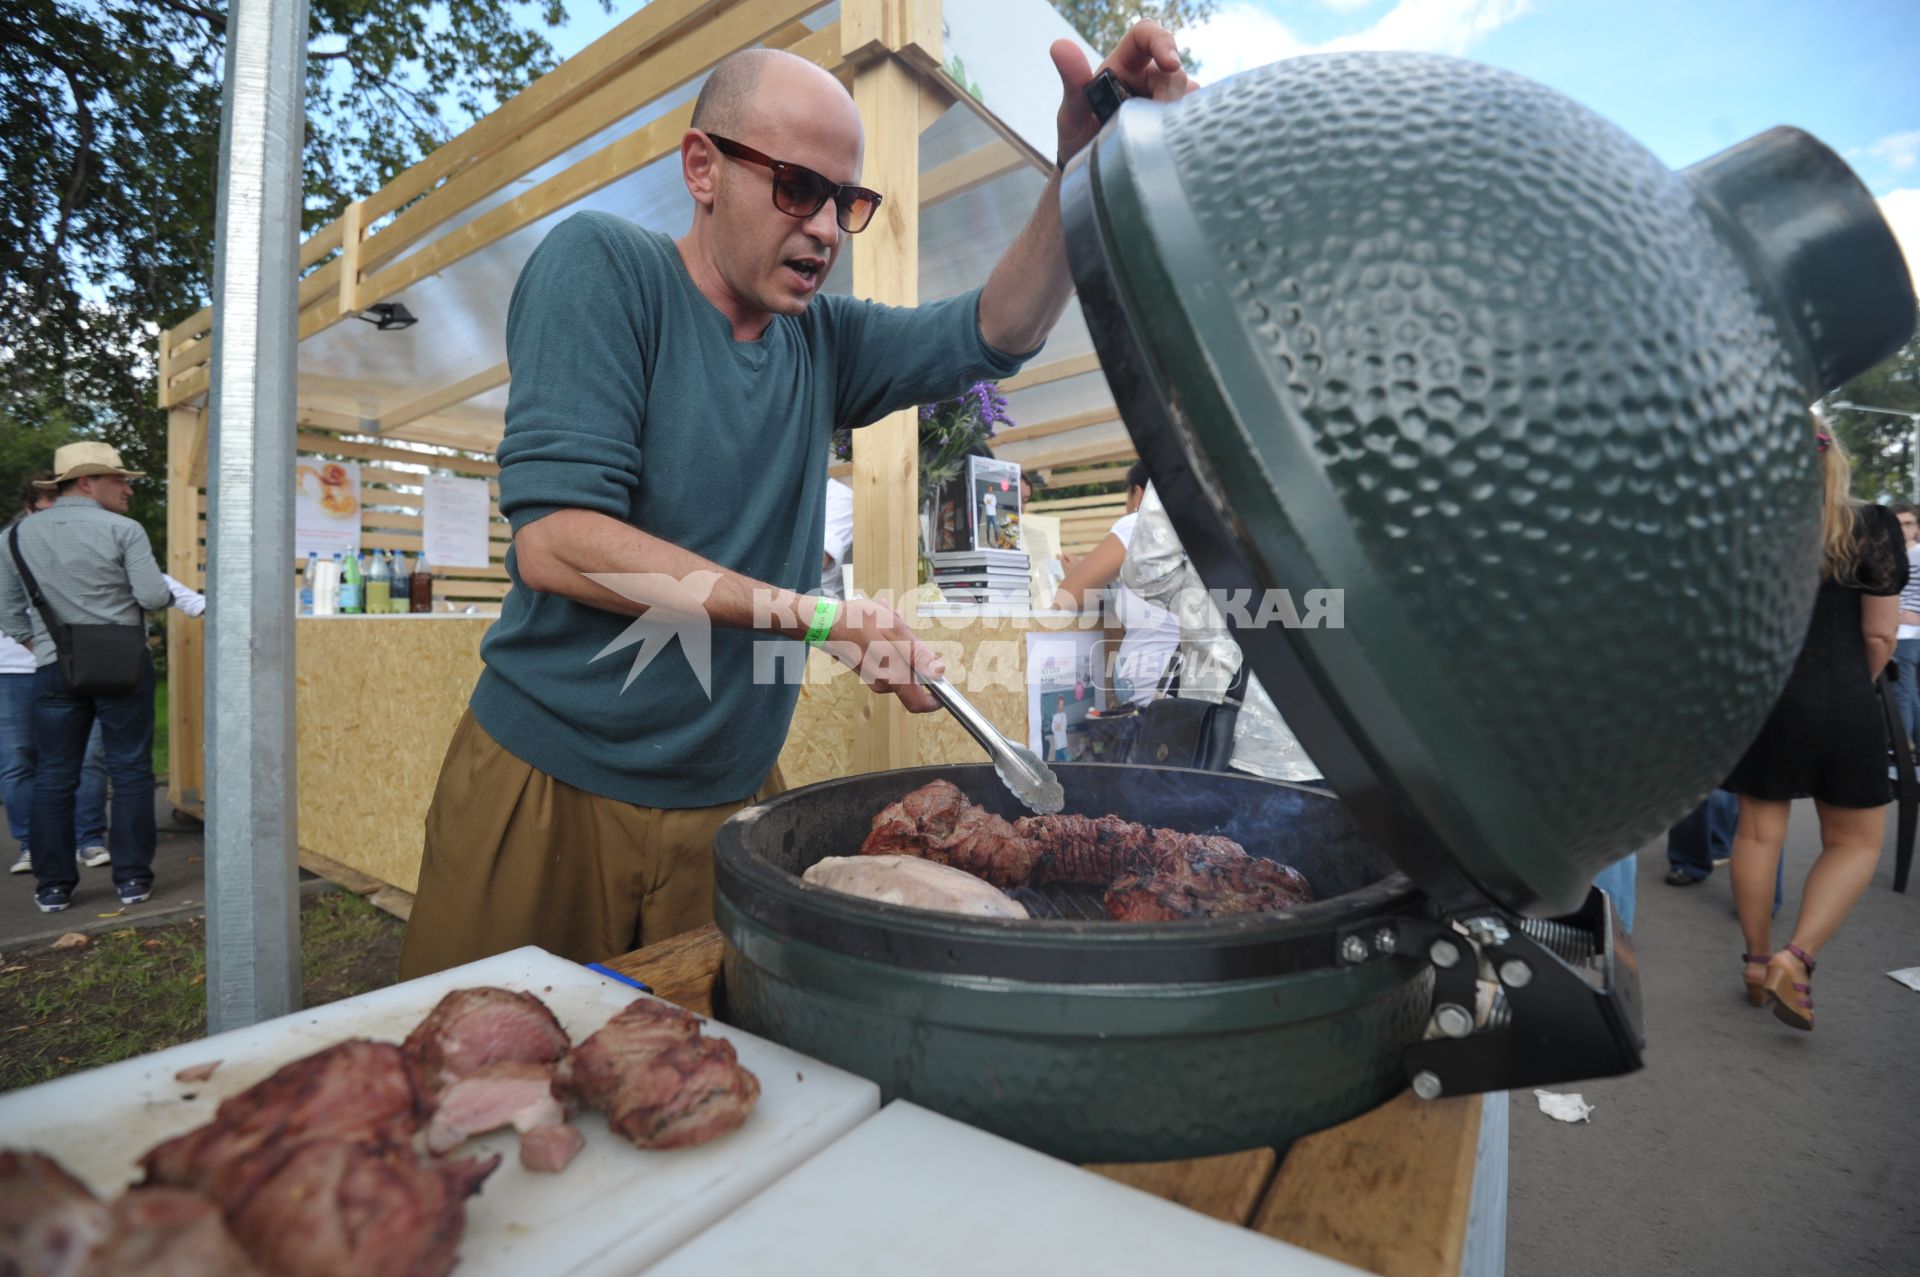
(1146, 61)
(871, 639)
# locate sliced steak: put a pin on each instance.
(513, 1093)
(550, 1148)
(355, 1090)
(168, 1232)
(372, 1209)
(49, 1221)
(659, 1082)
(472, 1029)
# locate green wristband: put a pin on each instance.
(824, 614)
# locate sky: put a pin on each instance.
(1687, 78)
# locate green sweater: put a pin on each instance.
(630, 397)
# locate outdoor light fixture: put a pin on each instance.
(388, 316)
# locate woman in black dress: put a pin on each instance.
(1826, 739)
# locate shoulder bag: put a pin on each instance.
(95, 660)
(1174, 731)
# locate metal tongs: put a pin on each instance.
(1019, 768)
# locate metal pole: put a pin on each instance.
(253, 923)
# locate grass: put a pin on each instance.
(160, 753)
(137, 990)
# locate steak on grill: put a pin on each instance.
(660, 1083)
(1150, 874)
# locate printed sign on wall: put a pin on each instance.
(326, 507)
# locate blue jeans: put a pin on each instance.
(1706, 833)
(1906, 688)
(62, 722)
(17, 758)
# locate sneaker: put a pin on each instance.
(52, 899)
(24, 865)
(94, 857)
(134, 892)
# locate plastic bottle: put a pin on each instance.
(326, 588)
(420, 585)
(350, 583)
(379, 585)
(308, 579)
(402, 587)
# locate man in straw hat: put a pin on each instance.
(93, 566)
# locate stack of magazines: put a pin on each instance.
(981, 576)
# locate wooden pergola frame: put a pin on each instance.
(888, 52)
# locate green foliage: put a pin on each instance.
(1881, 445)
(109, 146)
(1102, 22)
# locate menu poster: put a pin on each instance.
(326, 508)
(456, 522)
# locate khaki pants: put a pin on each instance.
(515, 857)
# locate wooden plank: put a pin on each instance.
(349, 261)
(691, 53)
(1045, 374)
(1056, 506)
(378, 452)
(185, 387)
(550, 95)
(1086, 453)
(186, 779)
(1056, 426)
(682, 970)
(320, 243)
(886, 455)
(963, 173)
(346, 877)
(1228, 1187)
(1080, 478)
(447, 396)
(1387, 1192)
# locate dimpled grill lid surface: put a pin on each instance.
(1437, 338)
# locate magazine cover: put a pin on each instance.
(994, 487)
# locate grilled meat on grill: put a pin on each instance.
(471, 1029)
(936, 822)
(365, 1207)
(1151, 874)
(167, 1232)
(49, 1221)
(354, 1090)
(660, 1083)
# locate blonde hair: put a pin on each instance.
(1839, 516)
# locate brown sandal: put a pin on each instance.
(1756, 989)
(1781, 986)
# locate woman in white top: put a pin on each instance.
(1152, 633)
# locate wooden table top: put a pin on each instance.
(1387, 1192)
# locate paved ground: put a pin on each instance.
(177, 887)
(1743, 1146)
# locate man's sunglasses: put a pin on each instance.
(799, 192)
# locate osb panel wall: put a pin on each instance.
(986, 659)
(377, 701)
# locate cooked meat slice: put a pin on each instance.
(550, 1148)
(168, 1232)
(511, 1093)
(471, 1029)
(49, 1220)
(364, 1207)
(353, 1090)
(660, 1084)
(1151, 873)
(908, 880)
(936, 822)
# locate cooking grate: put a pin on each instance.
(1068, 901)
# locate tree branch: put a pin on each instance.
(212, 17)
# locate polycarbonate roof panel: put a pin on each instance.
(352, 367)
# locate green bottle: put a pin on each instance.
(350, 583)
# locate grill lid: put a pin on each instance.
(1436, 338)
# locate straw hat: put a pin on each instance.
(79, 460)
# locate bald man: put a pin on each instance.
(665, 458)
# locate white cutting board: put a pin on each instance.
(615, 1210)
(911, 1192)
